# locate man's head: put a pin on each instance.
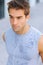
(19, 13)
(20, 4)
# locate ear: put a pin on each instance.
(28, 17)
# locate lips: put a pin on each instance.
(15, 27)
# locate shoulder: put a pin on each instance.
(6, 34)
(40, 44)
(39, 37)
(3, 37)
(35, 33)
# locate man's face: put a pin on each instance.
(17, 19)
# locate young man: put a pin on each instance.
(24, 43)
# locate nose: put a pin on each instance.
(15, 21)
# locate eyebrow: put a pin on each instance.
(11, 15)
(17, 16)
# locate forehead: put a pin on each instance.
(14, 12)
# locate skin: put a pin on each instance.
(19, 24)
(40, 47)
(18, 21)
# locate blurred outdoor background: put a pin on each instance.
(36, 20)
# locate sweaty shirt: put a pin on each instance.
(23, 49)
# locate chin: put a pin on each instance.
(16, 30)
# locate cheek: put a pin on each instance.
(23, 22)
(11, 21)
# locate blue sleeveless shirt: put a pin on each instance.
(23, 49)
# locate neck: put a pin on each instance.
(24, 29)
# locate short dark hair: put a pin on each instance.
(20, 4)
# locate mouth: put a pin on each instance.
(16, 27)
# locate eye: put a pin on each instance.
(10, 16)
(19, 17)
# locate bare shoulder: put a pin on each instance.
(3, 37)
(40, 44)
(40, 47)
